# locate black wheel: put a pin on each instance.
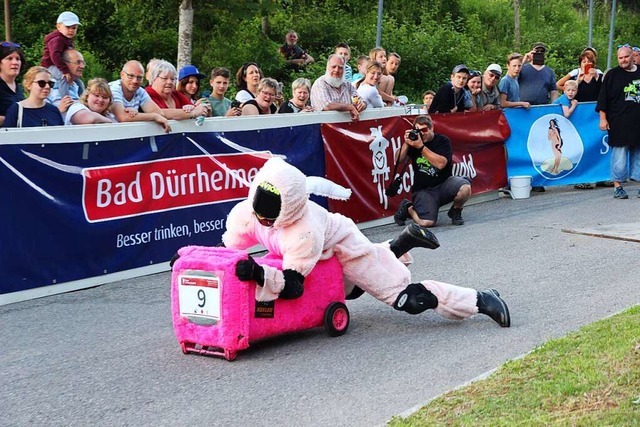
(336, 319)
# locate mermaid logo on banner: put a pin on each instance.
(555, 150)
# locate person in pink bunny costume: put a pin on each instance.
(279, 215)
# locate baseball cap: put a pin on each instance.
(460, 68)
(540, 46)
(190, 70)
(495, 69)
(589, 48)
(68, 19)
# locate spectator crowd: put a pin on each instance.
(53, 93)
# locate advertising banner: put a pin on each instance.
(555, 150)
(360, 155)
(82, 210)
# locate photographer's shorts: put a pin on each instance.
(427, 202)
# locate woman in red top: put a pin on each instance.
(174, 105)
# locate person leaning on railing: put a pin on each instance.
(35, 110)
(94, 106)
(163, 92)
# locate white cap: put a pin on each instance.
(495, 69)
(68, 19)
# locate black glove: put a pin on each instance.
(248, 269)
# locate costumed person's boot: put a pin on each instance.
(490, 303)
(413, 236)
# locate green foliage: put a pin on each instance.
(431, 36)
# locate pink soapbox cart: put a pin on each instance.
(215, 314)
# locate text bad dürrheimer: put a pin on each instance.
(158, 185)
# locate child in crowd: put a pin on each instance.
(509, 87)
(568, 99)
(427, 99)
(393, 63)
(362, 63)
(220, 105)
(55, 43)
(344, 50)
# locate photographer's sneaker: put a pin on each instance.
(456, 216)
(402, 214)
(619, 193)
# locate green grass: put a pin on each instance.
(588, 378)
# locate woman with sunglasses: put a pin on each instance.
(11, 64)
(247, 80)
(35, 110)
(263, 103)
(94, 106)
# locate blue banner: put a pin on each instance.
(82, 210)
(555, 150)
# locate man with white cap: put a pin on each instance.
(55, 44)
(490, 95)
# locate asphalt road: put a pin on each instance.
(107, 356)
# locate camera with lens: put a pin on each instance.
(236, 104)
(414, 134)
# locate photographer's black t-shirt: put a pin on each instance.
(425, 174)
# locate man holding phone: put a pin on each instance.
(537, 81)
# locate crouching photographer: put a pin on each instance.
(434, 185)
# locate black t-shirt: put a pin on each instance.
(620, 99)
(446, 98)
(288, 107)
(9, 97)
(426, 175)
(589, 91)
(253, 102)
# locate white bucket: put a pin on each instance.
(520, 187)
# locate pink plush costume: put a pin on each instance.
(305, 233)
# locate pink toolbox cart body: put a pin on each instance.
(216, 314)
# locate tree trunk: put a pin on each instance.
(185, 33)
(516, 25)
(265, 24)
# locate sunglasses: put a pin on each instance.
(474, 73)
(9, 44)
(43, 83)
(267, 222)
(624, 45)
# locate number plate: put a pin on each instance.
(199, 296)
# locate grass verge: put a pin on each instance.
(588, 378)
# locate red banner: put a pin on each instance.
(126, 190)
(360, 156)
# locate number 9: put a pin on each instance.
(202, 297)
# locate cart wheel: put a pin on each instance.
(230, 355)
(336, 319)
(183, 347)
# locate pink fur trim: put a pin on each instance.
(454, 302)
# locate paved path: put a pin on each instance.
(107, 356)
